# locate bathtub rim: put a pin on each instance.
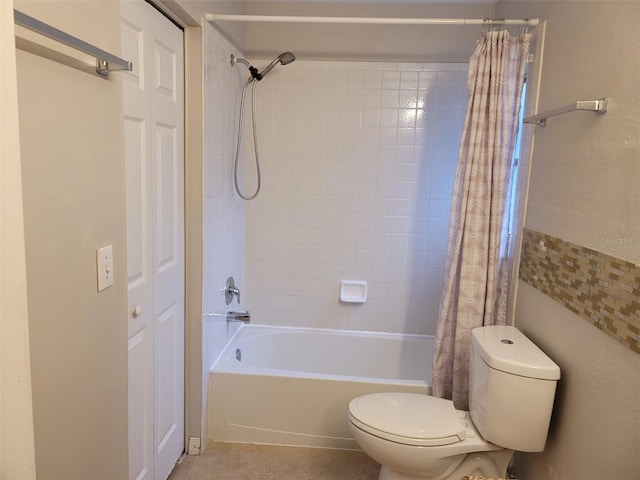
(218, 368)
(245, 326)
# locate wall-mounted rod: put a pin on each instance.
(598, 106)
(105, 61)
(211, 17)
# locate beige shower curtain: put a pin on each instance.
(475, 287)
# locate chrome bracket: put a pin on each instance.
(598, 106)
(102, 67)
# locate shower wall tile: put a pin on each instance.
(358, 160)
(223, 211)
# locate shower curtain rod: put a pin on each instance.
(211, 17)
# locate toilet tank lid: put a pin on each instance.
(507, 349)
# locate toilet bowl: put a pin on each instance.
(512, 386)
(416, 436)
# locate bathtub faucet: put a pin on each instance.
(230, 291)
(244, 317)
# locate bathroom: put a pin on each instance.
(581, 190)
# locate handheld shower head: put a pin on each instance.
(284, 59)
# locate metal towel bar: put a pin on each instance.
(105, 61)
(598, 106)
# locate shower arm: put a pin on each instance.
(235, 60)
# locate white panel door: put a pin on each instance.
(154, 139)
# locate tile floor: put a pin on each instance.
(239, 461)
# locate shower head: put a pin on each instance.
(284, 59)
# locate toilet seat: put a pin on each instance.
(408, 418)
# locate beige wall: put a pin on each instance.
(74, 202)
(193, 232)
(17, 457)
(594, 433)
(583, 189)
(365, 42)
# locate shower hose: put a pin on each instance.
(255, 139)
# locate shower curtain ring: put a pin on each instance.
(486, 25)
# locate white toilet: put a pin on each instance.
(512, 385)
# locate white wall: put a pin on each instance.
(583, 189)
(223, 210)
(358, 162)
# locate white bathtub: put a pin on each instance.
(292, 386)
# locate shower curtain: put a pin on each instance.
(475, 288)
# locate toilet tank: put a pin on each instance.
(512, 384)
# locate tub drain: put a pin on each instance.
(238, 354)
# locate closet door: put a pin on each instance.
(154, 132)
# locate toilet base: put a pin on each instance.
(483, 464)
(388, 474)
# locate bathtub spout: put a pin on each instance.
(244, 317)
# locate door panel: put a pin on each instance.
(165, 70)
(167, 202)
(168, 409)
(167, 94)
(140, 426)
(138, 252)
(154, 139)
(139, 264)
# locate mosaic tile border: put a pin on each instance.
(602, 289)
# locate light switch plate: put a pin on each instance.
(104, 261)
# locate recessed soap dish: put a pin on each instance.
(353, 291)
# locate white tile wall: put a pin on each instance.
(223, 211)
(358, 162)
